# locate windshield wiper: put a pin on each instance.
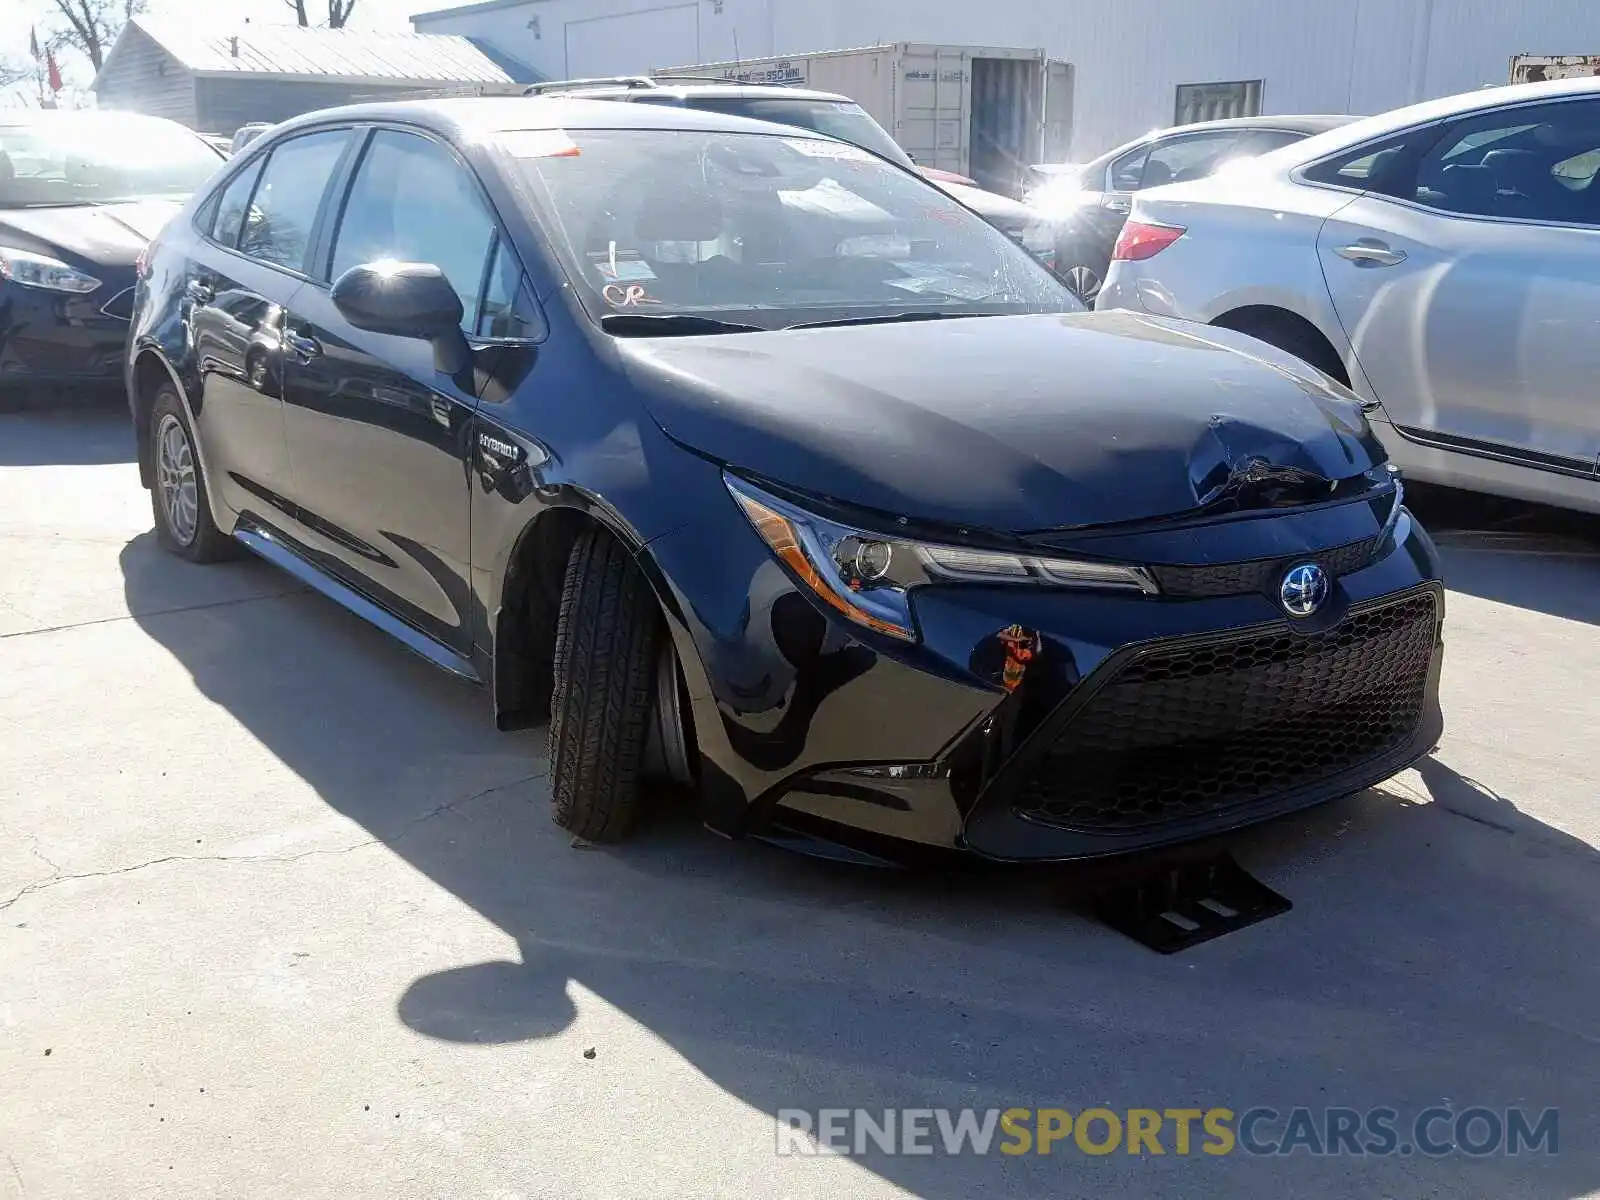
(886, 319)
(669, 325)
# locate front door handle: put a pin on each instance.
(302, 347)
(1369, 253)
(200, 293)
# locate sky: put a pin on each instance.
(369, 14)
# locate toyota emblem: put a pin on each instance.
(1304, 590)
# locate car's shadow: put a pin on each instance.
(1430, 958)
(81, 432)
(1528, 555)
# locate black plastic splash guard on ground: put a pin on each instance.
(1175, 905)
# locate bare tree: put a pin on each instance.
(91, 26)
(338, 12)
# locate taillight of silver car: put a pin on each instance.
(1141, 239)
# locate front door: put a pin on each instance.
(378, 436)
(1471, 290)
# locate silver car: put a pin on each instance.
(1442, 260)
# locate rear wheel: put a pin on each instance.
(178, 501)
(1084, 281)
(609, 641)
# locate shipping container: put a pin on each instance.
(1536, 68)
(978, 111)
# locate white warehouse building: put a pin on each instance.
(1136, 64)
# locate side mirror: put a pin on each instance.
(409, 300)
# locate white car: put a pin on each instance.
(1442, 260)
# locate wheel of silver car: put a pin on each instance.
(178, 494)
(1084, 282)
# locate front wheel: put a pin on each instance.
(608, 647)
(184, 525)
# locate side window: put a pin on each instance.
(508, 309)
(1387, 167)
(232, 205)
(1182, 159)
(1125, 173)
(1532, 164)
(277, 228)
(412, 201)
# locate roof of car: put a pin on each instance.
(1310, 125)
(645, 86)
(1395, 120)
(464, 116)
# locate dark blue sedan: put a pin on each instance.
(770, 475)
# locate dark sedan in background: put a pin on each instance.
(81, 194)
(1085, 206)
(763, 468)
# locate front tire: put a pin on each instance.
(607, 651)
(184, 525)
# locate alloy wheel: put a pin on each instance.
(1085, 283)
(175, 477)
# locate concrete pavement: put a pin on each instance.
(282, 915)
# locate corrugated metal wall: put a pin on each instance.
(1129, 56)
(146, 79)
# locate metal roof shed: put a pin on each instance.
(216, 81)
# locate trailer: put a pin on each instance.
(1536, 68)
(985, 112)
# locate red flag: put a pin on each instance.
(33, 43)
(54, 72)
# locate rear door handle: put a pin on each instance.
(1117, 204)
(1367, 253)
(200, 293)
(302, 347)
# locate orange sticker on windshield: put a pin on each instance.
(626, 295)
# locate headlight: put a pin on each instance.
(868, 577)
(36, 270)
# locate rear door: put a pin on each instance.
(1467, 278)
(246, 267)
(378, 435)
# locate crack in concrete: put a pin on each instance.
(160, 612)
(405, 831)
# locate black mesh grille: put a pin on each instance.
(1184, 731)
(1261, 574)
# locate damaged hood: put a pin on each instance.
(1014, 424)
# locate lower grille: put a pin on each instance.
(1185, 731)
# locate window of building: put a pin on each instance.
(1214, 101)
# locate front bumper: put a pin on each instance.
(54, 338)
(1130, 721)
